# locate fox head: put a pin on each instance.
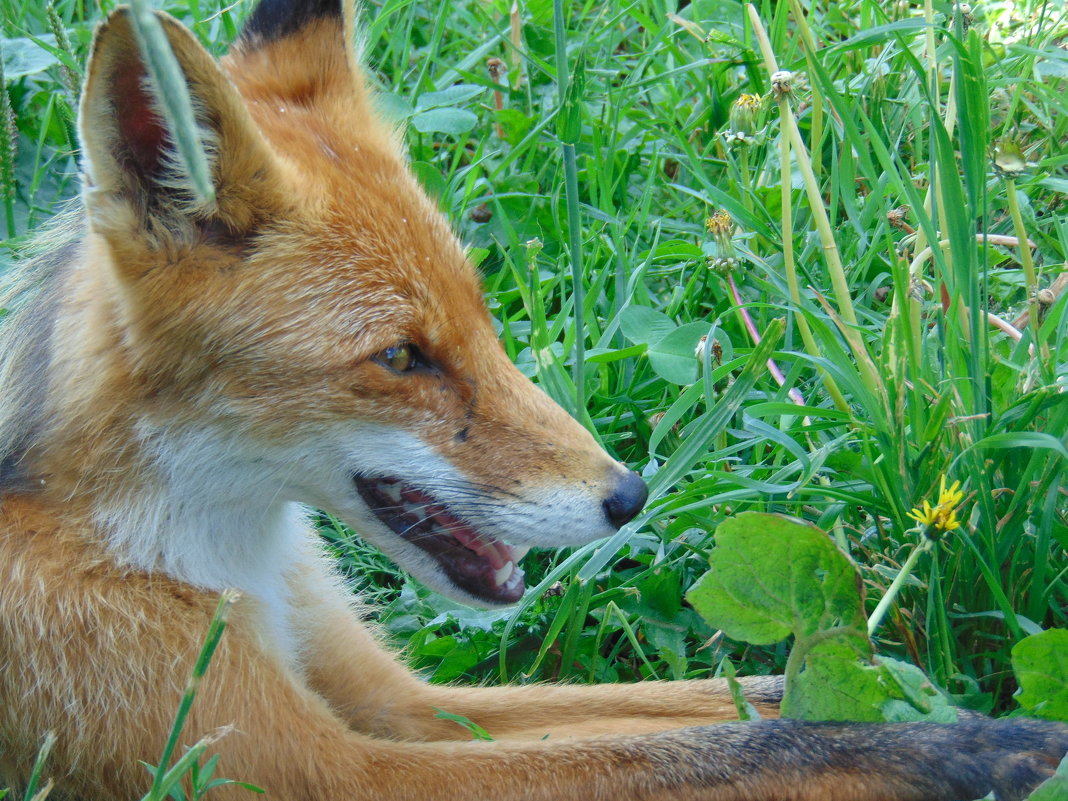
(314, 333)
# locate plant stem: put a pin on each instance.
(803, 647)
(823, 224)
(1028, 265)
(750, 326)
(817, 98)
(895, 586)
(789, 264)
(574, 230)
(8, 148)
(211, 641)
(173, 98)
(836, 272)
(578, 290)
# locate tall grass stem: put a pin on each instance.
(211, 642)
(173, 98)
(574, 224)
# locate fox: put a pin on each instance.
(184, 377)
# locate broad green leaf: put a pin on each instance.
(919, 699)
(452, 96)
(1041, 665)
(673, 357)
(452, 121)
(514, 123)
(24, 57)
(392, 107)
(835, 685)
(773, 576)
(645, 326)
(431, 179)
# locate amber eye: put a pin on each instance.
(399, 358)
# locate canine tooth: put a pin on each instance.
(519, 551)
(392, 491)
(504, 573)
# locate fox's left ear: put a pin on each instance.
(135, 180)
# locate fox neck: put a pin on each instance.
(202, 518)
(161, 494)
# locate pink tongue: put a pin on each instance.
(496, 553)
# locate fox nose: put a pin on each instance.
(628, 499)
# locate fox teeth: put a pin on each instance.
(504, 573)
(519, 551)
(393, 492)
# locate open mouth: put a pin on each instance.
(485, 568)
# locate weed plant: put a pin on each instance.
(648, 189)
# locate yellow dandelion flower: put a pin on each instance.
(750, 102)
(720, 223)
(745, 114)
(941, 517)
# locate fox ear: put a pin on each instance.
(276, 19)
(299, 51)
(135, 178)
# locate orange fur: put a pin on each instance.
(183, 374)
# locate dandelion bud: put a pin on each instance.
(966, 15)
(534, 247)
(702, 346)
(898, 217)
(780, 83)
(699, 351)
(1009, 161)
(721, 249)
(745, 115)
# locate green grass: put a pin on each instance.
(886, 343)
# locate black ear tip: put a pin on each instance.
(275, 19)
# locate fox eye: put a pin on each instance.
(400, 358)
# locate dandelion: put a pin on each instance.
(721, 254)
(941, 517)
(720, 224)
(935, 521)
(782, 83)
(898, 218)
(1009, 159)
(745, 114)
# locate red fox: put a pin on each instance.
(179, 377)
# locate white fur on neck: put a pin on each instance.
(209, 515)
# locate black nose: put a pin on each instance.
(622, 505)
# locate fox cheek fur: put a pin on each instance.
(253, 325)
